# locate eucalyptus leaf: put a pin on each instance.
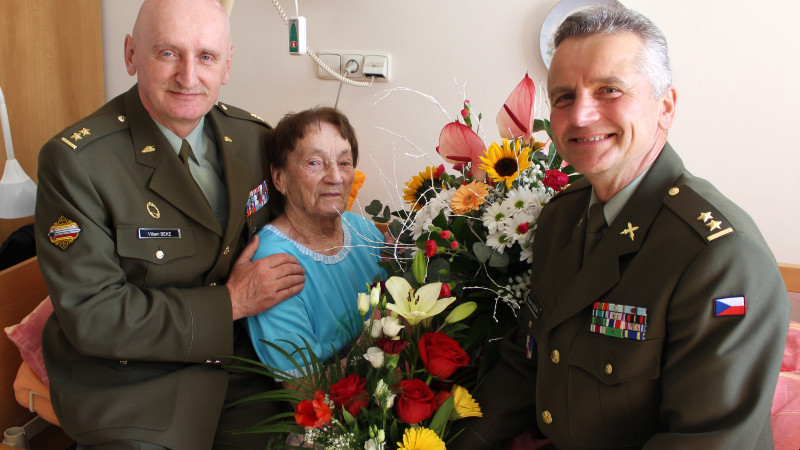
(498, 260)
(481, 251)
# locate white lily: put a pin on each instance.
(419, 305)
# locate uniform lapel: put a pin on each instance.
(578, 288)
(170, 178)
(235, 165)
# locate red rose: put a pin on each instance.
(439, 399)
(415, 401)
(430, 248)
(441, 354)
(555, 179)
(313, 413)
(444, 291)
(350, 393)
(392, 347)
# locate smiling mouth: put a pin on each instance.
(592, 139)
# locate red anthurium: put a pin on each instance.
(515, 118)
(458, 143)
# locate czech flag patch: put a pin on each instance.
(730, 306)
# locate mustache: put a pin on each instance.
(174, 87)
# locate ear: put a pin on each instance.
(277, 179)
(228, 67)
(129, 55)
(667, 114)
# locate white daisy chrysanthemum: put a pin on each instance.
(520, 199)
(493, 217)
(520, 227)
(499, 241)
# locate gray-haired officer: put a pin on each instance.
(657, 316)
(144, 209)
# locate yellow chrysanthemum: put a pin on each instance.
(419, 189)
(469, 197)
(505, 164)
(464, 404)
(420, 439)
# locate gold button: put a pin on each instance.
(223, 106)
(124, 363)
(226, 251)
(609, 369)
(555, 356)
(547, 417)
(213, 284)
(160, 254)
(121, 118)
(530, 324)
(674, 191)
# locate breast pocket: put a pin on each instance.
(155, 257)
(613, 390)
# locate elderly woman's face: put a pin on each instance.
(318, 174)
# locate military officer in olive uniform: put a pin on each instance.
(668, 332)
(144, 209)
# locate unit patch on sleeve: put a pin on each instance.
(63, 232)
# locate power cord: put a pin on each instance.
(319, 62)
(350, 67)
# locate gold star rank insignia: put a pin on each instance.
(76, 136)
(85, 132)
(705, 216)
(629, 231)
(714, 225)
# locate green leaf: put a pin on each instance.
(481, 251)
(440, 418)
(498, 260)
(438, 270)
(374, 208)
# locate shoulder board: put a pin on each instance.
(238, 113)
(698, 213)
(93, 127)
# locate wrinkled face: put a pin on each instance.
(181, 52)
(318, 174)
(605, 119)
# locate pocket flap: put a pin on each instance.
(158, 250)
(615, 360)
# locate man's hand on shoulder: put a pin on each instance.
(256, 286)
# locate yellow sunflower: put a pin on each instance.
(469, 197)
(505, 164)
(420, 188)
(420, 439)
(464, 404)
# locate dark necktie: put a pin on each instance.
(595, 226)
(186, 150)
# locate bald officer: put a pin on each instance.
(144, 209)
(668, 332)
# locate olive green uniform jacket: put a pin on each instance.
(141, 324)
(695, 380)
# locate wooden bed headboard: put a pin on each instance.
(21, 289)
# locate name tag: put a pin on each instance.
(159, 233)
(533, 305)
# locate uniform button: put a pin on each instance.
(226, 251)
(547, 417)
(555, 356)
(674, 191)
(609, 369)
(213, 284)
(530, 324)
(159, 254)
(208, 361)
(124, 363)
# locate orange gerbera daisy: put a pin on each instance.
(469, 197)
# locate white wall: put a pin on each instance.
(736, 65)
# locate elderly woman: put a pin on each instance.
(313, 155)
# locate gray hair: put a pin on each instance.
(654, 59)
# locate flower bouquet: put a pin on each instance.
(396, 387)
(472, 227)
